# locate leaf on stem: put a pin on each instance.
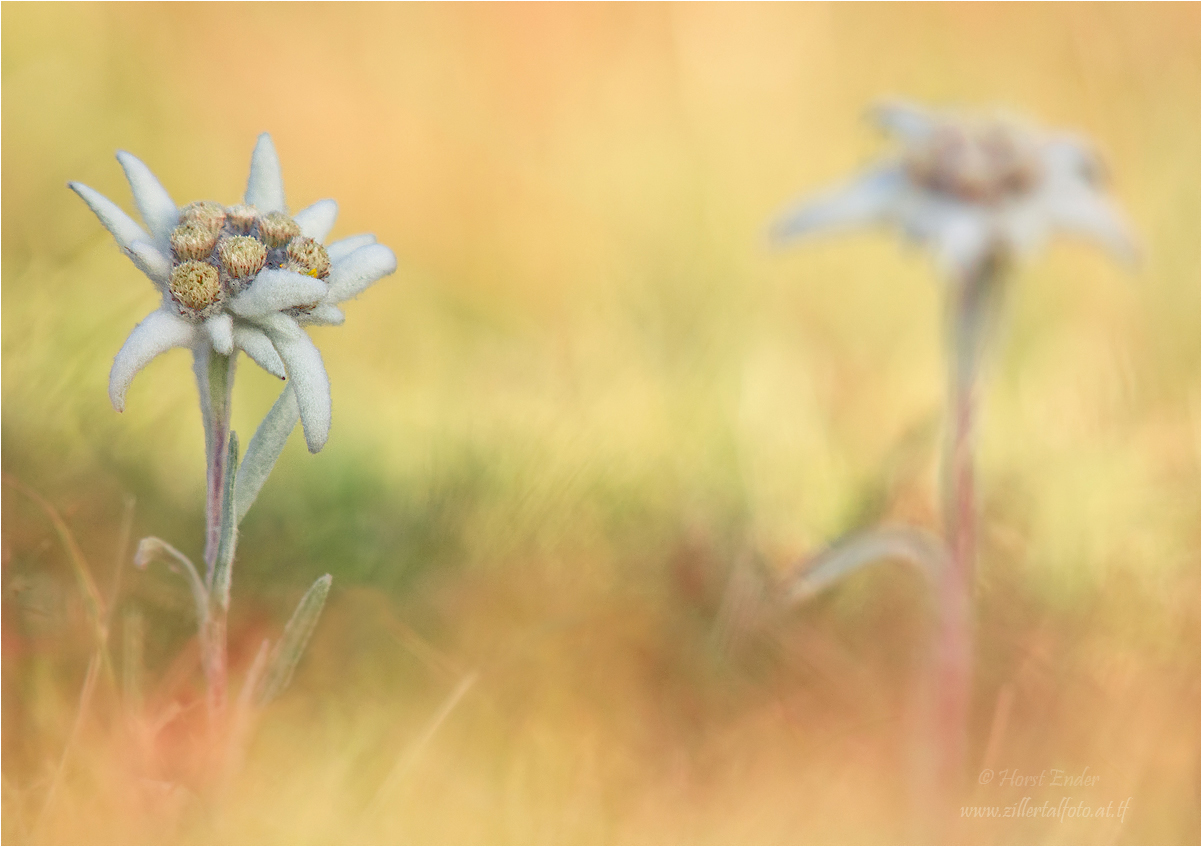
(222, 570)
(916, 547)
(291, 646)
(264, 450)
(153, 548)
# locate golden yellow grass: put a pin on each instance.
(587, 393)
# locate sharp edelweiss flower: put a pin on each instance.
(967, 187)
(244, 277)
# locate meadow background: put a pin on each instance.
(588, 392)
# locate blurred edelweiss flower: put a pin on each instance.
(968, 187)
(244, 277)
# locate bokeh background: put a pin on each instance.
(589, 396)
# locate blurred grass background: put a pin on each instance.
(590, 390)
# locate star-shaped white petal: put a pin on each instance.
(265, 186)
(941, 192)
(155, 205)
(262, 314)
(159, 332)
(307, 375)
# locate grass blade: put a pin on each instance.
(244, 715)
(81, 713)
(94, 604)
(410, 756)
(93, 600)
(133, 644)
(119, 562)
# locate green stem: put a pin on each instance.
(215, 375)
(215, 380)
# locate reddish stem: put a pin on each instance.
(953, 675)
(971, 311)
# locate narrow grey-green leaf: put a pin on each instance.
(223, 569)
(291, 646)
(916, 547)
(264, 450)
(156, 548)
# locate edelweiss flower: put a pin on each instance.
(244, 277)
(967, 188)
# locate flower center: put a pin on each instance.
(204, 213)
(241, 218)
(242, 256)
(195, 285)
(985, 163)
(217, 251)
(306, 256)
(277, 229)
(193, 240)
